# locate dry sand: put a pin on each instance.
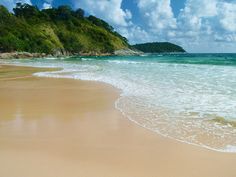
(68, 128)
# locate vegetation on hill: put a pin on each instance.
(158, 47)
(58, 30)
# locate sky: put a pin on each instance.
(204, 26)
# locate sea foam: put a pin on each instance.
(175, 96)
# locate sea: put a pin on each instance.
(186, 97)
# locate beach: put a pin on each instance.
(70, 128)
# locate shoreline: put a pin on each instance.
(101, 142)
(28, 55)
(219, 120)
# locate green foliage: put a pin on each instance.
(3, 13)
(101, 23)
(10, 42)
(158, 47)
(58, 29)
(79, 13)
(63, 13)
(26, 10)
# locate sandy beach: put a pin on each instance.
(70, 128)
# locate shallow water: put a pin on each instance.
(177, 96)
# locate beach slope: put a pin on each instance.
(70, 128)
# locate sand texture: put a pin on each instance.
(70, 128)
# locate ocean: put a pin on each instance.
(187, 97)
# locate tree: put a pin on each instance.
(64, 12)
(26, 10)
(98, 22)
(3, 11)
(4, 14)
(79, 13)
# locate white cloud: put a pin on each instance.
(109, 10)
(201, 24)
(227, 16)
(158, 14)
(208, 23)
(134, 33)
(197, 17)
(10, 4)
(206, 15)
(47, 4)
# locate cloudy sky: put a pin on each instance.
(197, 25)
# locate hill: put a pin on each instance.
(158, 47)
(57, 31)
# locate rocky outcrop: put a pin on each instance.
(127, 52)
(93, 53)
(16, 55)
(63, 53)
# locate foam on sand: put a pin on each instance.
(174, 95)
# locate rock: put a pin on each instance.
(18, 55)
(63, 53)
(124, 52)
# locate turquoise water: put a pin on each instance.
(174, 95)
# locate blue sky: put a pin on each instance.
(197, 25)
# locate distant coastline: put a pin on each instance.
(159, 47)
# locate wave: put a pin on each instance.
(172, 99)
(88, 59)
(124, 62)
(227, 149)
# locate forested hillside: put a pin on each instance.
(58, 30)
(159, 47)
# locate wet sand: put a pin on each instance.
(70, 128)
